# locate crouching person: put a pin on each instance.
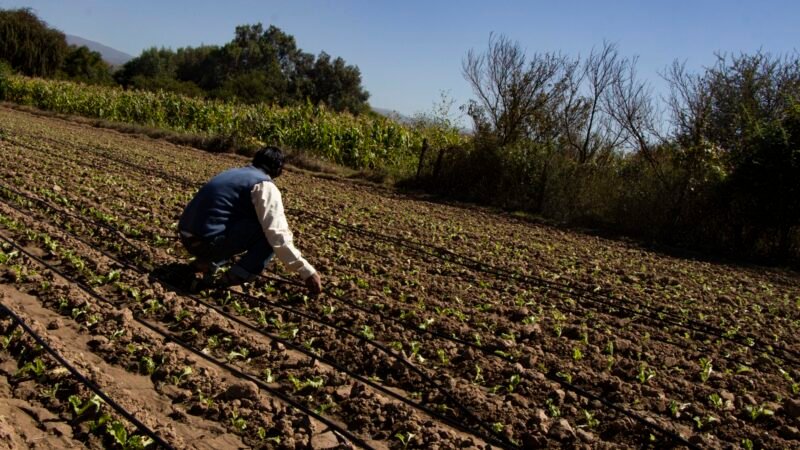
(240, 211)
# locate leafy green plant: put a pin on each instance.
(715, 400)
(79, 407)
(237, 422)
(135, 442)
(513, 382)
(443, 358)
(754, 412)
(645, 373)
(552, 410)
(299, 385)
(478, 378)
(404, 438)
(181, 377)
(706, 368)
(241, 353)
(36, 367)
(147, 365)
(367, 333)
(591, 420)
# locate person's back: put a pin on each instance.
(241, 211)
(225, 197)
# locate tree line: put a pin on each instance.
(257, 66)
(585, 141)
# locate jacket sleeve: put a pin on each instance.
(269, 209)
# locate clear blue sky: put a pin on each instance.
(408, 51)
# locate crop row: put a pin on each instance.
(364, 141)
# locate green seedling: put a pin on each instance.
(552, 410)
(404, 438)
(237, 422)
(181, 377)
(153, 306)
(443, 358)
(478, 379)
(241, 353)
(645, 373)
(566, 376)
(591, 421)
(135, 442)
(80, 408)
(36, 367)
(754, 412)
(299, 385)
(208, 402)
(367, 333)
(51, 391)
(513, 382)
(147, 365)
(705, 369)
(704, 422)
(95, 425)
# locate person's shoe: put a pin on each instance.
(200, 266)
(229, 280)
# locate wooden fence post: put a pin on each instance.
(422, 155)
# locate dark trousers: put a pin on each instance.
(244, 236)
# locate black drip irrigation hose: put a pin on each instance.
(491, 437)
(574, 388)
(83, 380)
(171, 338)
(583, 293)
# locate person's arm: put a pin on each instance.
(269, 209)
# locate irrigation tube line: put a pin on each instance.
(584, 293)
(82, 379)
(492, 437)
(169, 337)
(563, 383)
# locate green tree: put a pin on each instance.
(152, 63)
(337, 85)
(82, 64)
(29, 45)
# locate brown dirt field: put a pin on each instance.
(442, 325)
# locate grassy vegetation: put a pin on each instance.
(354, 141)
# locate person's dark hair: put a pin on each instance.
(270, 160)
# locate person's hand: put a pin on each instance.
(314, 284)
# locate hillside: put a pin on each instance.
(110, 55)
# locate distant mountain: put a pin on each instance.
(110, 55)
(394, 115)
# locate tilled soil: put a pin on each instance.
(442, 326)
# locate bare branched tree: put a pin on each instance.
(689, 103)
(511, 88)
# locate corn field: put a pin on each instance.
(345, 139)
